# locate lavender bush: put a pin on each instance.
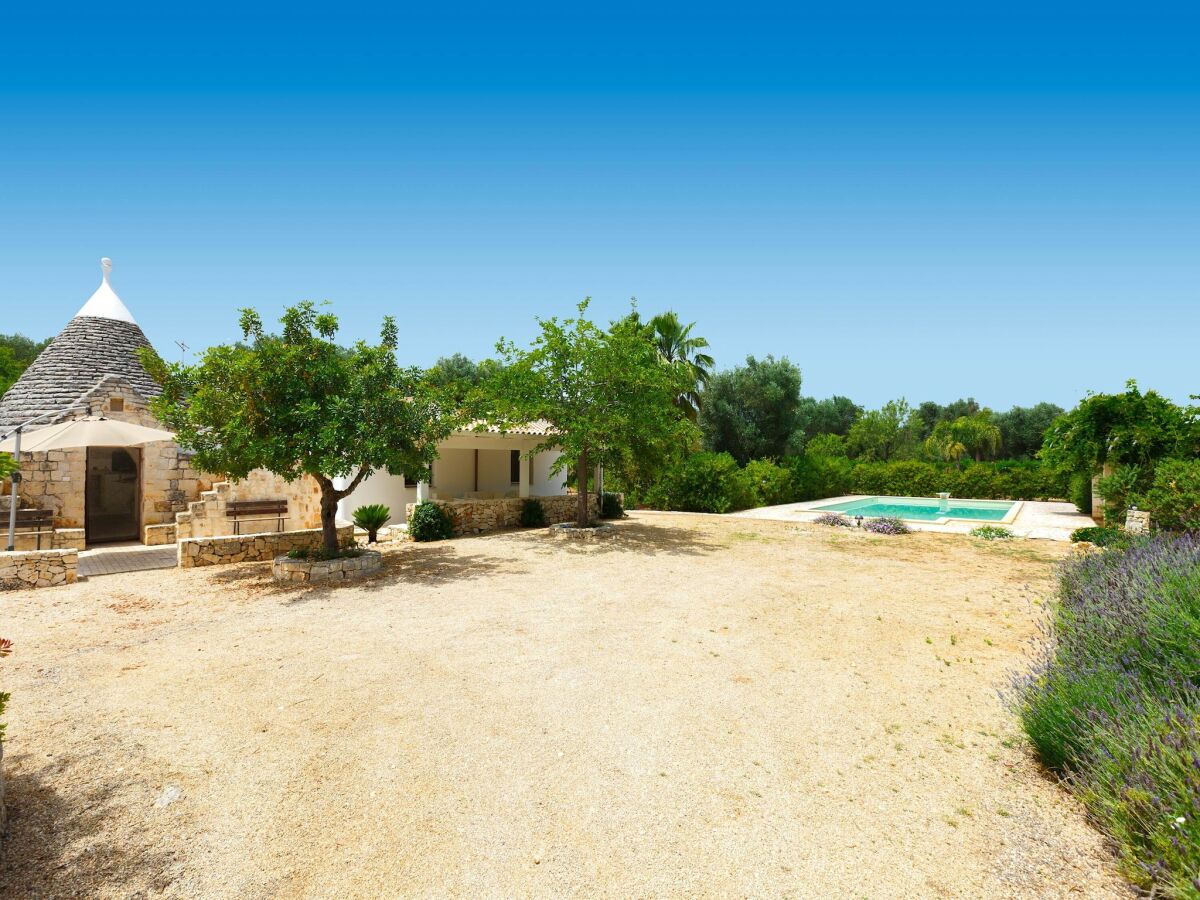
(832, 518)
(1113, 703)
(886, 525)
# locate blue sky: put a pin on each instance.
(923, 201)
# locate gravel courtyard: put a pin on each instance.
(698, 707)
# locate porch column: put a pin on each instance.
(422, 491)
(523, 484)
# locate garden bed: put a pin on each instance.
(341, 568)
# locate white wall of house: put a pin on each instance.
(454, 475)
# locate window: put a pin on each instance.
(116, 404)
(514, 466)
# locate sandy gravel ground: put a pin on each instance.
(699, 707)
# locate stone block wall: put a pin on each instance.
(222, 550)
(157, 535)
(206, 517)
(478, 516)
(38, 568)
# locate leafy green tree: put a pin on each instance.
(459, 379)
(1127, 429)
(678, 346)
(833, 415)
(1023, 428)
(881, 434)
(17, 352)
(607, 393)
(972, 435)
(826, 445)
(752, 411)
(298, 404)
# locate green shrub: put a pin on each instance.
(1118, 490)
(906, 478)
(992, 533)
(1081, 492)
(703, 482)
(816, 476)
(533, 514)
(610, 506)
(430, 522)
(1100, 535)
(1112, 703)
(1173, 498)
(769, 483)
(371, 518)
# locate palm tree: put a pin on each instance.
(677, 346)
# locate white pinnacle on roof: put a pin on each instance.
(105, 304)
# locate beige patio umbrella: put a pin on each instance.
(87, 432)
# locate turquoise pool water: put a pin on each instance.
(922, 509)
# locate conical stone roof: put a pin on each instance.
(102, 340)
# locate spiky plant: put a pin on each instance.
(371, 518)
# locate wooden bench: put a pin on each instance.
(257, 511)
(34, 521)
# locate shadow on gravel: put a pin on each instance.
(641, 538)
(63, 846)
(433, 563)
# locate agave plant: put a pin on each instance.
(371, 518)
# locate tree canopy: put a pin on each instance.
(297, 404)
(881, 434)
(607, 393)
(1127, 429)
(752, 411)
(17, 352)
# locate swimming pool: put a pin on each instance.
(925, 509)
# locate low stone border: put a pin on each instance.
(571, 531)
(38, 568)
(216, 551)
(287, 569)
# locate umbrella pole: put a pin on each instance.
(12, 510)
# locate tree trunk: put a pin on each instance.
(581, 517)
(329, 504)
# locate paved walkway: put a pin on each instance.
(117, 558)
(1035, 519)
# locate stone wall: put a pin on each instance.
(478, 516)
(286, 569)
(206, 517)
(37, 568)
(218, 551)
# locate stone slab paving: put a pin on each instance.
(118, 558)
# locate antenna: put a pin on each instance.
(183, 349)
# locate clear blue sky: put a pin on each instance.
(930, 201)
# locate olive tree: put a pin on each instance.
(298, 404)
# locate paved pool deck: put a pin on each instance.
(1051, 521)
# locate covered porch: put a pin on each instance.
(471, 465)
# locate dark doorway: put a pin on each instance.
(113, 494)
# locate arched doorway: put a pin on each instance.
(113, 494)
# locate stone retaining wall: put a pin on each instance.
(478, 516)
(264, 547)
(58, 539)
(287, 569)
(157, 535)
(38, 568)
(206, 517)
